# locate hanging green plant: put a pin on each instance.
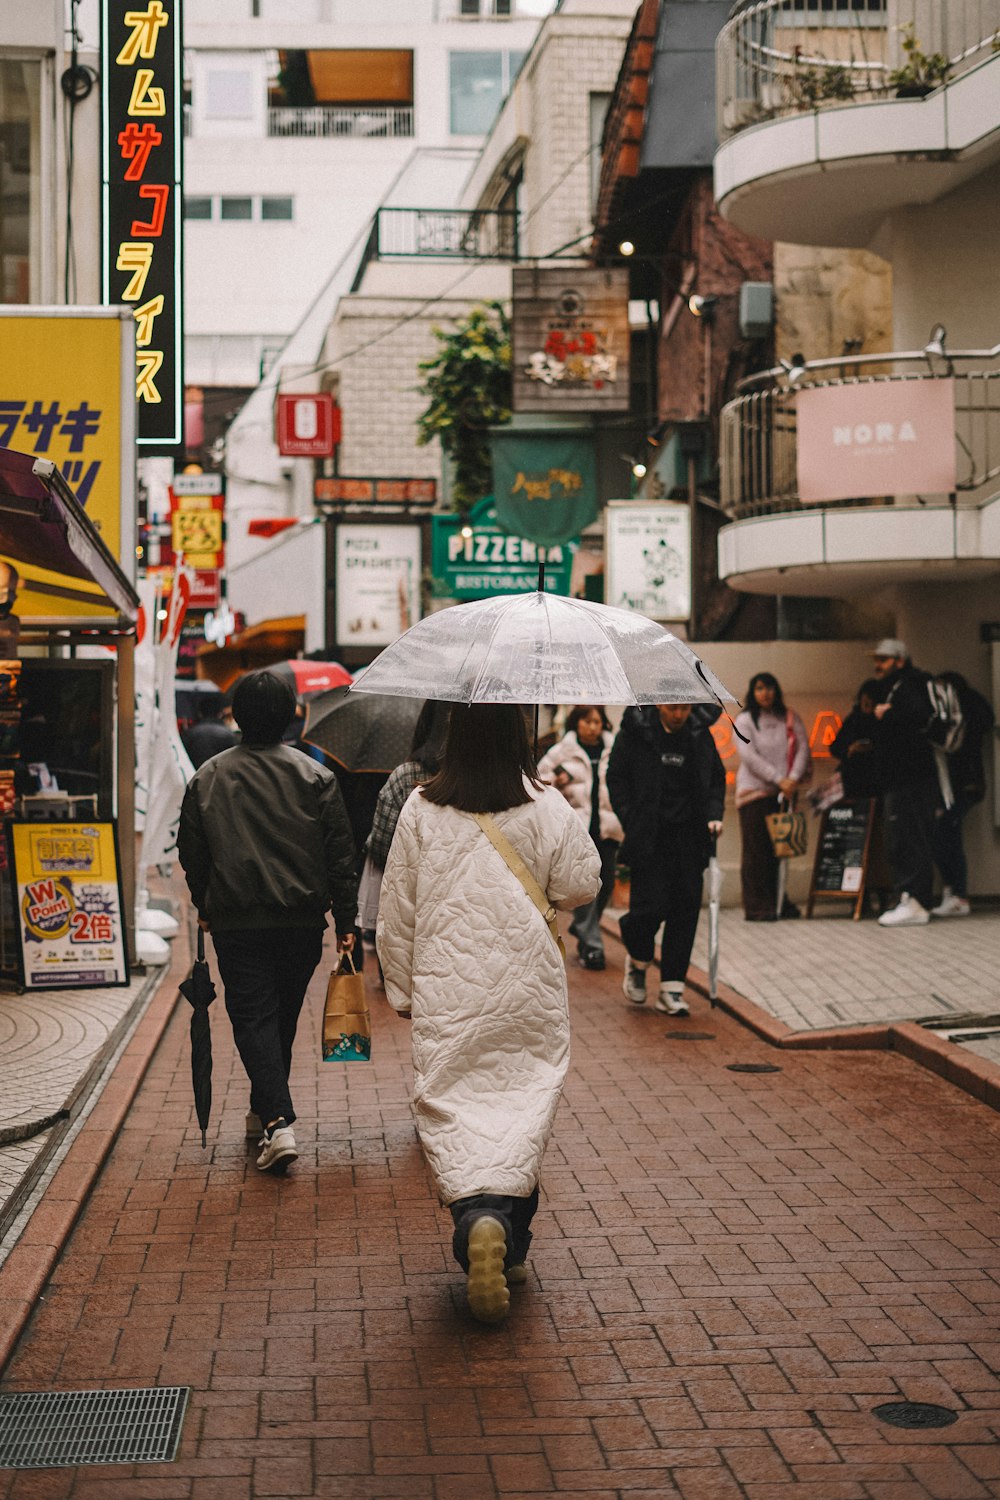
(468, 389)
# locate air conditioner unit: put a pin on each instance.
(756, 309)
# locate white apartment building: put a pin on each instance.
(302, 115)
(526, 191)
(890, 142)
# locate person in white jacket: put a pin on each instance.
(467, 952)
(578, 766)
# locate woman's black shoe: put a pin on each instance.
(592, 958)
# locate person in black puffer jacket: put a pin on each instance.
(667, 786)
(266, 846)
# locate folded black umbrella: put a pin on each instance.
(199, 990)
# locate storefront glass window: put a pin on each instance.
(20, 171)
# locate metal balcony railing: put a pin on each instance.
(325, 121)
(758, 431)
(780, 57)
(441, 234)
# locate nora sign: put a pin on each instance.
(880, 438)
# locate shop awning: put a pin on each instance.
(43, 525)
(259, 645)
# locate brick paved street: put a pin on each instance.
(730, 1271)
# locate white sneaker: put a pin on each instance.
(634, 982)
(951, 905)
(277, 1149)
(909, 913)
(670, 1001)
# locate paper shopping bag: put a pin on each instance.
(347, 1032)
(789, 834)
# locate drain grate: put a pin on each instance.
(752, 1068)
(690, 1036)
(61, 1429)
(915, 1414)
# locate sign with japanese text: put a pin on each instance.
(344, 490)
(570, 339)
(69, 905)
(544, 482)
(490, 561)
(648, 558)
(141, 77)
(66, 376)
(377, 581)
(308, 426)
(879, 437)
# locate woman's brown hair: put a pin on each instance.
(486, 757)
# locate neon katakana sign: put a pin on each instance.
(143, 127)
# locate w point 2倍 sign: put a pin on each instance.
(894, 437)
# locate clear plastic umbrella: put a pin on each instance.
(541, 648)
(714, 902)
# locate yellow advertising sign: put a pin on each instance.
(61, 398)
(69, 905)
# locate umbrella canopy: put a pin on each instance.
(373, 733)
(199, 990)
(540, 648)
(308, 678)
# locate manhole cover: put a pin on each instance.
(61, 1429)
(690, 1036)
(752, 1068)
(915, 1414)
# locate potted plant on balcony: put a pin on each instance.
(810, 84)
(922, 72)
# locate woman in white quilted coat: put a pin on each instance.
(467, 952)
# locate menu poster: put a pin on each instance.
(70, 924)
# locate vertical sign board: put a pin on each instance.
(648, 558)
(141, 78)
(570, 339)
(67, 376)
(69, 905)
(377, 581)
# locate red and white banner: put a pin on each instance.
(892, 437)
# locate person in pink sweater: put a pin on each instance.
(774, 762)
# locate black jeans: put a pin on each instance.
(949, 848)
(266, 974)
(909, 837)
(515, 1214)
(667, 890)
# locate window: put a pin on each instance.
(229, 94)
(197, 208)
(485, 8)
(276, 208)
(20, 180)
(479, 82)
(599, 105)
(236, 208)
(345, 75)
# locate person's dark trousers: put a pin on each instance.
(667, 890)
(758, 866)
(909, 833)
(586, 923)
(515, 1214)
(949, 848)
(266, 974)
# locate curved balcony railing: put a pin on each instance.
(781, 57)
(758, 430)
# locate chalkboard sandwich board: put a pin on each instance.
(843, 851)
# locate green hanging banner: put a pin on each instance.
(544, 483)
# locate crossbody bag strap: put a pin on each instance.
(517, 866)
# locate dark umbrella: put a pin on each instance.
(369, 733)
(200, 991)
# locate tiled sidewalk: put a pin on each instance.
(731, 1270)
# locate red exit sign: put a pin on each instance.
(308, 426)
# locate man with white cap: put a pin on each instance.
(912, 794)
